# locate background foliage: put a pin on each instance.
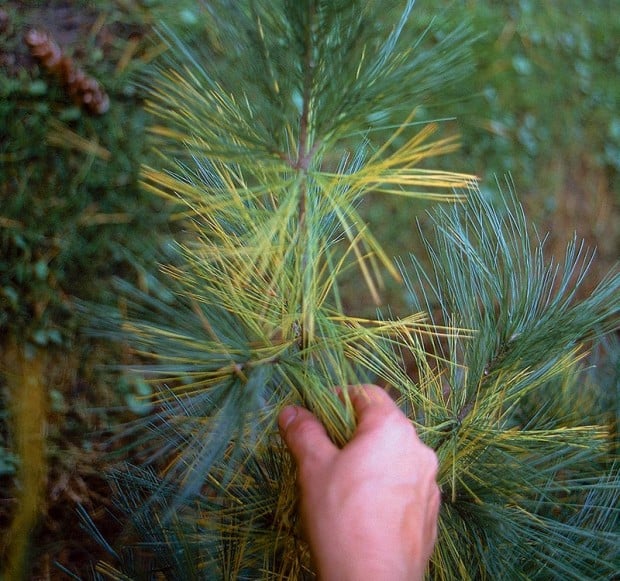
(541, 104)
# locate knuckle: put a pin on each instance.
(303, 430)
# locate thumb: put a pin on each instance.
(304, 435)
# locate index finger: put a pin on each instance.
(378, 415)
(371, 400)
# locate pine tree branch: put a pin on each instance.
(253, 320)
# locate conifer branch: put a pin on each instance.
(494, 455)
(272, 227)
(260, 227)
(303, 154)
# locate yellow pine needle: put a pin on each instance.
(10, 223)
(414, 150)
(370, 282)
(110, 572)
(329, 273)
(397, 168)
(451, 545)
(90, 217)
(349, 226)
(227, 198)
(376, 157)
(174, 135)
(375, 250)
(417, 323)
(450, 198)
(509, 378)
(240, 287)
(151, 53)
(516, 440)
(131, 48)
(61, 136)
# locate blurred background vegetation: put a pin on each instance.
(540, 104)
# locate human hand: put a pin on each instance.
(369, 510)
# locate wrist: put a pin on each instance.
(372, 566)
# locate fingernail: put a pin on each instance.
(287, 415)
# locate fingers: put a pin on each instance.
(304, 435)
(374, 408)
(365, 397)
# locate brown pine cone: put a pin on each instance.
(85, 90)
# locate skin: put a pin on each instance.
(369, 510)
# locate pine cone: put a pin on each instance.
(85, 90)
